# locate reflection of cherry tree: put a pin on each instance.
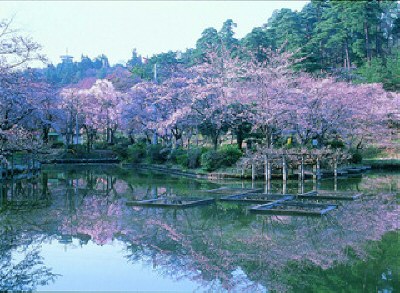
(218, 246)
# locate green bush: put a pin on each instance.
(157, 154)
(371, 152)
(102, 145)
(194, 158)
(182, 159)
(226, 156)
(77, 149)
(336, 144)
(121, 151)
(356, 158)
(57, 145)
(176, 155)
(211, 160)
(230, 153)
(137, 152)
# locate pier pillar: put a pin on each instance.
(284, 175)
(253, 171)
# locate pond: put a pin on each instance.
(71, 229)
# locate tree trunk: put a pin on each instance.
(347, 55)
(239, 138)
(214, 138)
(46, 131)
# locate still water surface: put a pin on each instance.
(70, 229)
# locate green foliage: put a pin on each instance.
(211, 160)
(137, 152)
(230, 153)
(57, 145)
(178, 156)
(382, 70)
(194, 158)
(226, 156)
(157, 154)
(336, 144)
(356, 157)
(101, 145)
(121, 151)
(371, 152)
(190, 158)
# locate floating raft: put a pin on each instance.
(256, 198)
(331, 195)
(293, 208)
(173, 202)
(228, 191)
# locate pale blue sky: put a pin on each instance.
(115, 28)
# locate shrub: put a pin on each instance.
(157, 153)
(226, 156)
(175, 155)
(356, 158)
(194, 158)
(102, 145)
(231, 154)
(211, 160)
(57, 145)
(121, 151)
(137, 152)
(182, 159)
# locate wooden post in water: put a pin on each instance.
(335, 167)
(284, 169)
(302, 168)
(314, 172)
(302, 175)
(284, 175)
(267, 171)
(253, 171)
(335, 173)
(12, 164)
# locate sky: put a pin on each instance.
(114, 28)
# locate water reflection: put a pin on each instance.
(215, 247)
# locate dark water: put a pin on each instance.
(70, 229)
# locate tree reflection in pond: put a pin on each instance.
(218, 246)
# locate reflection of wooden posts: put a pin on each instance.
(335, 171)
(12, 164)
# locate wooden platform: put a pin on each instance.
(172, 202)
(228, 191)
(331, 195)
(293, 208)
(256, 198)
